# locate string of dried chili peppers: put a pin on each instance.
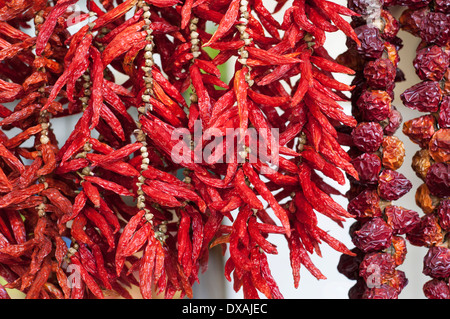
(376, 155)
(430, 21)
(257, 93)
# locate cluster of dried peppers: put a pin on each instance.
(106, 208)
(430, 21)
(376, 154)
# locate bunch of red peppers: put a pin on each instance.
(150, 179)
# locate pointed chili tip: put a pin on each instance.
(354, 174)
(288, 231)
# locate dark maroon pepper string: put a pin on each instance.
(430, 21)
(376, 154)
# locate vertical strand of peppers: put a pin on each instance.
(376, 154)
(43, 120)
(147, 94)
(430, 21)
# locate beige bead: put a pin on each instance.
(193, 98)
(148, 79)
(241, 28)
(41, 213)
(38, 19)
(141, 109)
(192, 27)
(148, 55)
(163, 228)
(140, 205)
(245, 35)
(243, 61)
(187, 180)
(81, 155)
(87, 147)
(86, 171)
(44, 139)
(148, 216)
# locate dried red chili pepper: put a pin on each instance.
(226, 22)
(267, 195)
(87, 278)
(114, 187)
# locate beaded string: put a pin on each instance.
(160, 231)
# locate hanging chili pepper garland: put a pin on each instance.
(376, 155)
(430, 21)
